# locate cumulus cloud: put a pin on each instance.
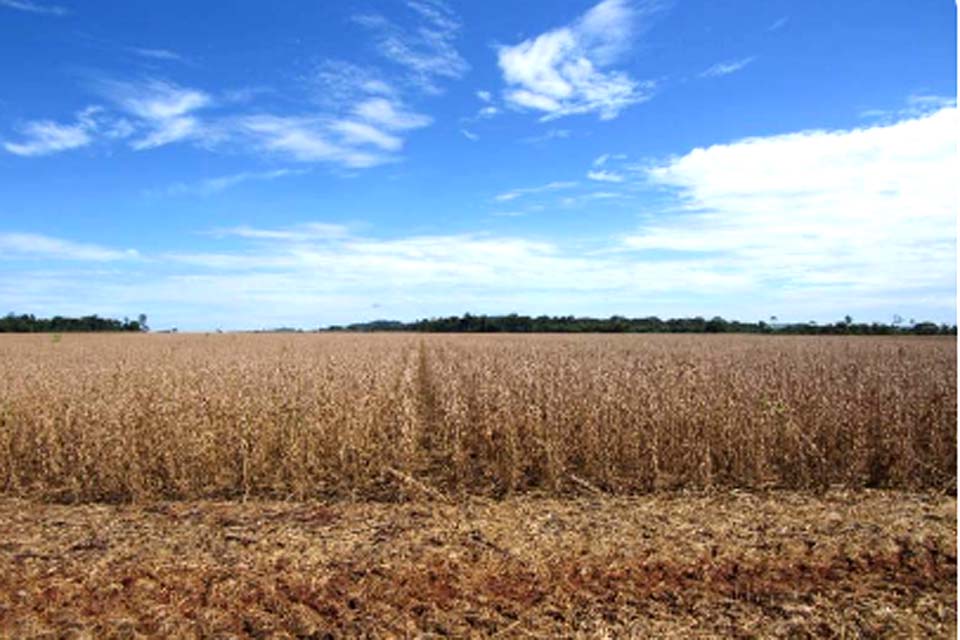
(852, 212)
(565, 71)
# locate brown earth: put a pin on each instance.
(732, 564)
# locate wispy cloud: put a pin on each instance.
(469, 135)
(35, 7)
(563, 72)
(163, 109)
(726, 68)
(550, 134)
(600, 175)
(218, 184)
(157, 54)
(390, 114)
(916, 105)
(308, 139)
(602, 160)
(334, 83)
(365, 137)
(307, 232)
(353, 116)
(428, 52)
(513, 194)
(271, 277)
(45, 137)
(32, 245)
(779, 24)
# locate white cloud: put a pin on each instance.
(916, 105)
(310, 231)
(157, 54)
(390, 114)
(368, 136)
(602, 159)
(35, 7)
(779, 24)
(516, 193)
(44, 137)
(726, 68)
(33, 245)
(335, 83)
(844, 213)
(562, 72)
(222, 183)
(419, 264)
(311, 140)
(605, 176)
(164, 109)
(357, 134)
(469, 135)
(427, 52)
(361, 121)
(364, 132)
(550, 134)
(484, 96)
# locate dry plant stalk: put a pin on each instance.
(143, 417)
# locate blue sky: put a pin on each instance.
(245, 165)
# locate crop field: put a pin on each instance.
(402, 485)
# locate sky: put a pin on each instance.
(243, 165)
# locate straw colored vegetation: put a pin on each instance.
(842, 565)
(327, 486)
(131, 417)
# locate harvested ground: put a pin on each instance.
(768, 564)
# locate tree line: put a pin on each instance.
(514, 323)
(28, 323)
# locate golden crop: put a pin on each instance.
(137, 417)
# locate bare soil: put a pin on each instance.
(675, 564)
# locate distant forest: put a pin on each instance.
(12, 323)
(514, 323)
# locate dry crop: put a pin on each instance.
(141, 417)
